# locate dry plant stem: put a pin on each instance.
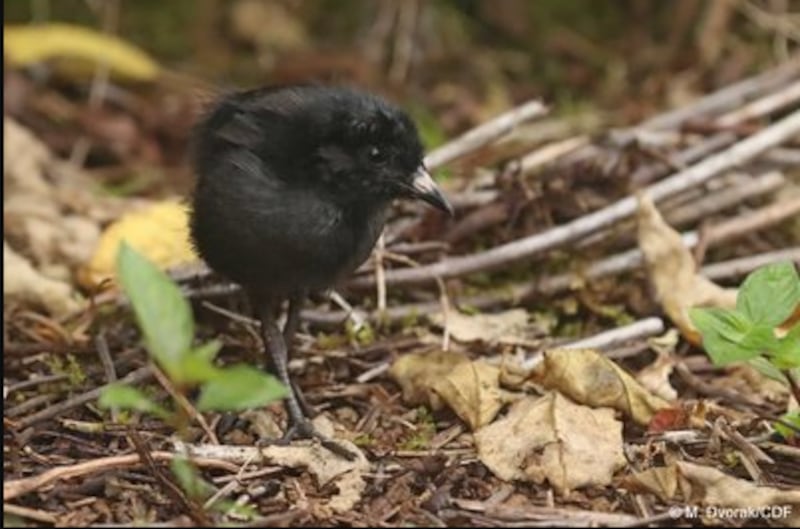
(635, 331)
(786, 97)
(700, 386)
(700, 208)
(549, 153)
(648, 173)
(377, 256)
(559, 236)
(484, 134)
(17, 487)
(724, 199)
(617, 264)
(757, 220)
(134, 377)
(31, 514)
(732, 96)
(184, 403)
(534, 513)
(167, 482)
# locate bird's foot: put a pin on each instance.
(306, 430)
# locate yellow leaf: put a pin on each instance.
(590, 378)
(76, 48)
(160, 232)
(470, 388)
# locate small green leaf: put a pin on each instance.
(127, 397)
(770, 294)
(164, 316)
(239, 387)
(197, 366)
(793, 418)
(209, 350)
(765, 367)
(786, 353)
(716, 327)
(189, 479)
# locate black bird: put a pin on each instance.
(293, 188)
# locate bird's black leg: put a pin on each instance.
(289, 331)
(275, 345)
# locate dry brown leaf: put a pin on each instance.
(655, 377)
(21, 281)
(673, 271)
(590, 378)
(552, 438)
(416, 372)
(160, 232)
(704, 485)
(470, 388)
(489, 328)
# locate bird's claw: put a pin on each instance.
(306, 430)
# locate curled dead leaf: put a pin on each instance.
(590, 378)
(673, 272)
(704, 485)
(470, 388)
(552, 438)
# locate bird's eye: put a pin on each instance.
(375, 153)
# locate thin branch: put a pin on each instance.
(484, 134)
(17, 487)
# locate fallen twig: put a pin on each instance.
(484, 134)
(17, 487)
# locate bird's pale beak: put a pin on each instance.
(424, 188)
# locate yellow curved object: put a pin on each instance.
(160, 232)
(77, 48)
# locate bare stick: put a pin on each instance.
(731, 96)
(745, 265)
(786, 97)
(32, 514)
(484, 134)
(559, 236)
(515, 294)
(648, 173)
(134, 377)
(635, 331)
(17, 487)
(755, 221)
(725, 198)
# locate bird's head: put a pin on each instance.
(367, 147)
(354, 146)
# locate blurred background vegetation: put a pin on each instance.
(452, 63)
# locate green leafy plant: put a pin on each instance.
(165, 319)
(757, 330)
(167, 325)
